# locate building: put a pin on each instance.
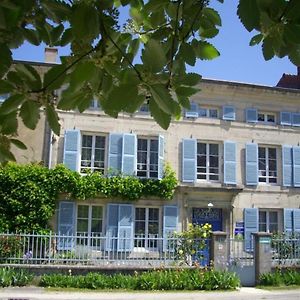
(236, 154)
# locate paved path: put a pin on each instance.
(33, 293)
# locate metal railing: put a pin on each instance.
(240, 253)
(81, 249)
(285, 251)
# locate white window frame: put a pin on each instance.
(265, 114)
(146, 238)
(207, 163)
(208, 110)
(90, 206)
(267, 177)
(95, 105)
(148, 171)
(267, 224)
(92, 168)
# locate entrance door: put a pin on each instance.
(211, 216)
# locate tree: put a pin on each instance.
(166, 34)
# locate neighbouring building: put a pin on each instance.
(236, 154)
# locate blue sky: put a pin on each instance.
(238, 61)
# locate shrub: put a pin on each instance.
(14, 277)
(10, 246)
(279, 278)
(179, 279)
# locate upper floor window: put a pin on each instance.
(94, 104)
(208, 161)
(208, 112)
(268, 221)
(144, 108)
(265, 117)
(92, 153)
(267, 165)
(147, 157)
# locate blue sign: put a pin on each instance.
(239, 228)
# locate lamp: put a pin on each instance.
(210, 205)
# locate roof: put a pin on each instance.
(290, 81)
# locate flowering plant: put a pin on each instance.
(192, 241)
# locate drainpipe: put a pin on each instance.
(50, 150)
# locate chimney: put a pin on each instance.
(51, 55)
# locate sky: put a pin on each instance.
(238, 61)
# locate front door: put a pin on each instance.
(212, 216)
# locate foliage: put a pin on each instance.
(192, 241)
(28, 193)
(14, 277)
(174, 279)
(9, 246)
(280, 278)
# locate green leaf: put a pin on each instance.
(18, 144)
(185, 91)
(256, 39)
(5, 87)
(54, 78)
(84, 21)
(52, 119)
(205, 50)
(69, 99)
(249, 14)
(184, 102)
(153, 56)
(191, 79)
(67, 37)
(30, 113)
(187, 53)
(32, 36)
(9, 123)
(56, 33)
(11, 104)
(83, 72)
(163, 99)
(291, 33)
(5, 154)
(121, 96)
(267, 49)
(212, 15)
(29, 75)
(295, 56)
(6, 59)
(162, 118)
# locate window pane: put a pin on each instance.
(86, 154)
(213, 149)
(153, 228)
(272, 153)
(214, 177)
(273, 217)
(154, 145)
(100, 142)
(153, 158)
(140, 228)
(263, 216)
(261, 152)
(87, 141)
(201, 161)
(96, 226)
(262, 227)
(201, 148)
(273, 228)
(153, 214)
(262, 164)
(82, 225)
(97, 212)
(213, 113)
(213, 161)
(260, 117)
(202, 112)
(271, 118)
(140, 213)
(272, 165)
(142, 144)
(83, 211)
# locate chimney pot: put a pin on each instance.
(51, 55)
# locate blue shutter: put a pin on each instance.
(72, 146)
(66, 225)
(296, 119)
(251, 226)
(189, 160)
(287, 166)
(229, 162)
(112, 227)
(285, 118)
(169, 226)
(251, 115)
(125, 227)
(251, 164)
(115, 152)
(296, 166)
(161, 155)
(129, 154)
(228, 112)
(193, 111)
(296, 221)
(288, 221)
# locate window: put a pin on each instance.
(208, 161)
(147, 158)
(208, 113)
(146, 227)
(266, 117)
(92, 153)
(144, 108)
(267, 165)
(268, 221)
(95, 104)
(89, 225)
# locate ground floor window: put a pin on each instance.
(268, 221)
(89, 224)
(146, 227)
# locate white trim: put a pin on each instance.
(267, 177)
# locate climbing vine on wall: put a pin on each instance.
(28, 193)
